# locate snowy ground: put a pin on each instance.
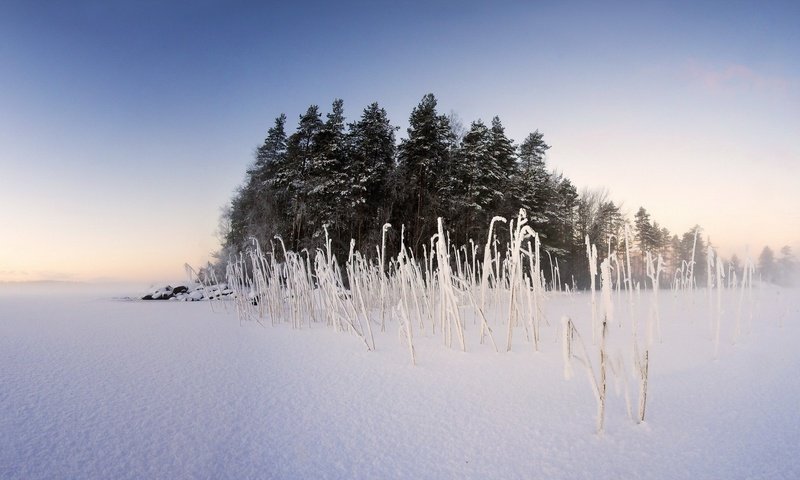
(95, 387)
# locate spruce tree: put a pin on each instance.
(257, 207)
(372, 160)
(424, 163)
(534, 184)
(300, 151)
(475, 183)
(504, 154)
(766, 264)
(646, 233)
(270, 156)
(270, 208)
(328, 183)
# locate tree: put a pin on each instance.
(646, 233)
(504, 155)
(766, 264)
(424, 163)
(683, 255)
(476, 183)
(260, 204)
(328, 185)
(736, 264)
(534, 186)
(561, 239)
(295, 177)
(372, 150)
(787, 267)
(566, 203)
(270, 156)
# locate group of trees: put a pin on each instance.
(354, 177)
(783, 270)
(351, 178)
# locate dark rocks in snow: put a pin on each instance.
(163, 293)
(190, 294)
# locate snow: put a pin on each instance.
(92, 386)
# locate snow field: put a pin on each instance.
(99, 388)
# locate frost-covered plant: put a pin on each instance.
(591, 255)
(356, 273)
(450, 316)
(720, 271)
(535, 289)
(448, 285)
(384, 229)
(407, 284)
(654, 268)
(605, 281)
(643, 369)
(569, 353)
(520, 232)
(488, 270)
(748, 269)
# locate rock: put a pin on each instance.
(196, 295)
(164, 293)
(191, 293)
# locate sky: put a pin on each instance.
(126, 126)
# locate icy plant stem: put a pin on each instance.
(450, 314)
(601, 403)
(598, 384)
(566, 345)
(386, 227)
(643, 374)
(591, 255)
(720, 275)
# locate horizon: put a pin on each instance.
(130, 126)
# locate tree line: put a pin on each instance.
(349, 179)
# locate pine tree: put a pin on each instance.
(648, 235)
(563, 241)
(566, 206)
(504, 153)
(259, 205)
(424, 163)
(736, 264)
(675, 260)
(534, 186)
(300, 151)
(766, 264)
(475, 183)
(270, 156)
(687, 244)
(372, 163)
(328, 183)
(268, 217)
(609, 223)
(787, 267)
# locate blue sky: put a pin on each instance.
(125, 126)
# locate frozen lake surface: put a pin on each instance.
(92, 386)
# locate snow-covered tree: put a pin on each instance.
(533, 185)
(372, 157)
(260, 204)
(424, 165)
(300, 154)
(766, 264)
(329, 186)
